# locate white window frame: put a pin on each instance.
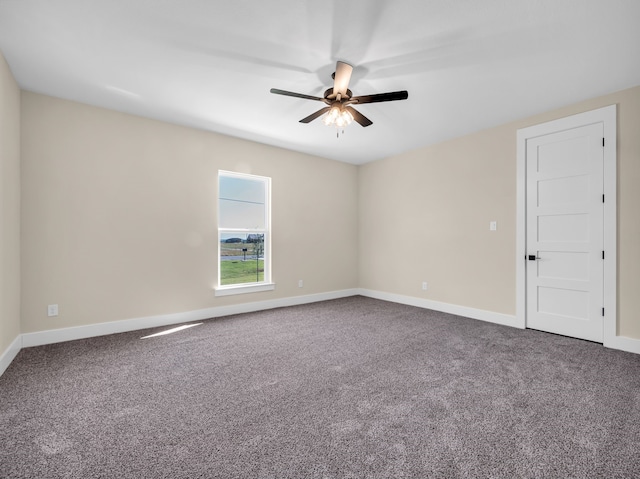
(266, 284)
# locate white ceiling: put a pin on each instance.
(209, 64)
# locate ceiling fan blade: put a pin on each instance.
(342, 78)
(359, 117)
(391, 96)
(315, 115)
(297, 95)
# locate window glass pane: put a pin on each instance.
(242, 189)
(242, 203)
(241, 258)
(235, 214)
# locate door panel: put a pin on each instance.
(567, 190)
(565, 233)
(563, 155)
(569, 265)
(563, 228)
(563, 302)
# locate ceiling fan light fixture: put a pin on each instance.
(344, 119)
(338, 117)
(331, 116)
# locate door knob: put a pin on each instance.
(533, 257)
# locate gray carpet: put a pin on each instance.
(351, 388)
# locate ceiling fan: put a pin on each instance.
(339, 99)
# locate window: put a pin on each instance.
(244, 246)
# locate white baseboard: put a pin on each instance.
(10, 353)
(101, 329)
(481, 314)
(623, 343)
(80, 332)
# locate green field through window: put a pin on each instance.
(239, 272)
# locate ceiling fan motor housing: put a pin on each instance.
(328, 94)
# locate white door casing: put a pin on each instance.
(564, 169)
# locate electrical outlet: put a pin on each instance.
(300, 283)
(424, 286)
(493, 226)
(52, 310)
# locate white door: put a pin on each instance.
(564, 239)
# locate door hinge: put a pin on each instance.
(602, 311)
(603, 255)
(603, 142)
(603, 198)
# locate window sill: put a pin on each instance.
(244, 288)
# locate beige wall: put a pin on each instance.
(119, 217)
(424, 216)
(9, 207)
